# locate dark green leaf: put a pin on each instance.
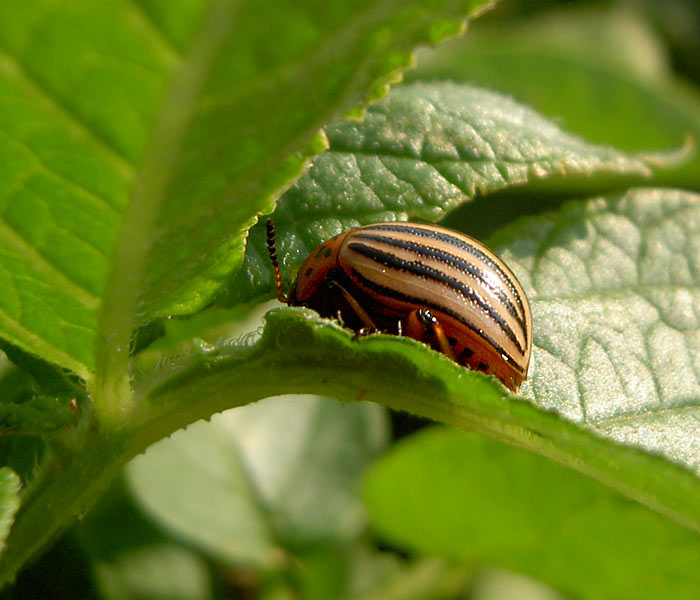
(36, 415)
(40, 400)
(602, 74)
(24, 455)
(418, 154)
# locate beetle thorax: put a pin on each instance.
(315, 271)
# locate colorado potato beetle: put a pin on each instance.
(426, 282)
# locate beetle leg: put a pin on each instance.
(356, 307)
(422, 318)
(363, 332)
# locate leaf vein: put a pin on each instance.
(157, 34)
(22, 76)
(45, 268)
(46, 348)
(686, 405)
(77, 187)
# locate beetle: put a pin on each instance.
(426, 282)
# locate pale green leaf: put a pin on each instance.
(613, 284)
(164, 571)
(9, 502)
(278, 475)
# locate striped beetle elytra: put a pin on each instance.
(426, 282)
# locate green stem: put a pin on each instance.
(74, 483)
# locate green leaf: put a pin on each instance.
(281, 472)
(140, 140)
(418, 154)
(467, 498)
(602, 74)
(613, 285)
(134, 559)
(24, 455)
(35, 415)
(157, 571)
(42, 402)
(174, 477)
(9, 502)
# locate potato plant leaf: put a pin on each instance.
(9, 502)
(613, 284)
(140, 140)
(603, 74)
(469, 499)
(419, 153)
(278, 475)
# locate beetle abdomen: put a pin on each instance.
(405, 266)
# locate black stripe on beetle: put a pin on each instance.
(421, 270)
(396, 295)
(451, 260)
(457, 243)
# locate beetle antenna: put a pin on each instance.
(272, 251)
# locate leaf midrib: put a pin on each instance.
(42, 266)
(147, 198)
(679, 407)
